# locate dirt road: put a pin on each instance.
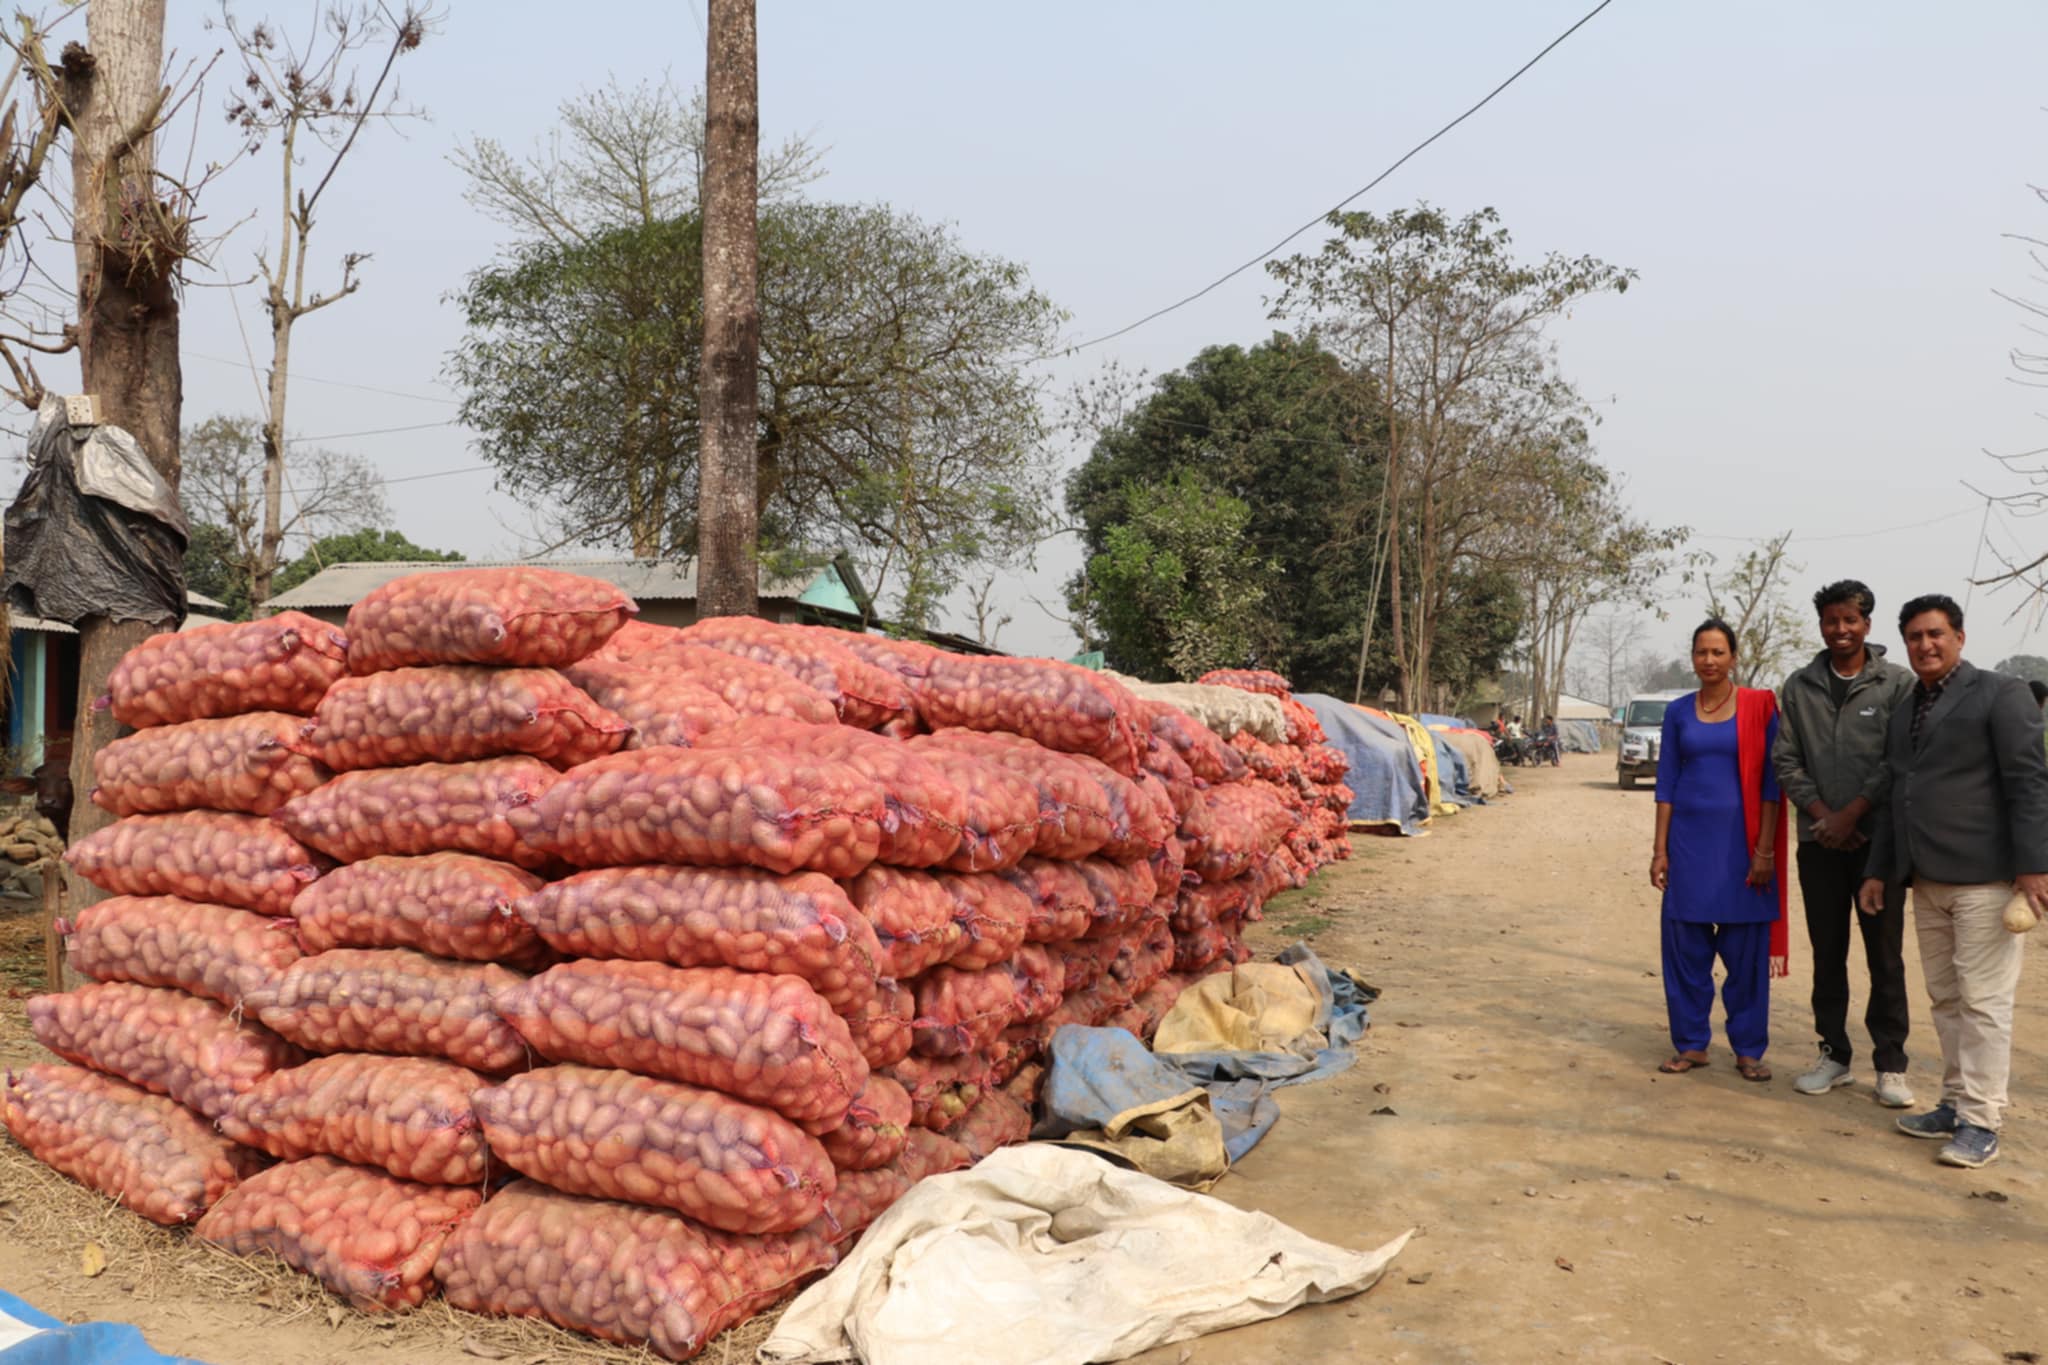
(1572, 1204)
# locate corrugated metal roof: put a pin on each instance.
(645, 580)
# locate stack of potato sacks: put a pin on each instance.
(720, 938)
(1306, 773)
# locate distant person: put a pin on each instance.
(1967, 829)
(1547, 736)
(1719, 825)
(1832, 720)
(1515, 730)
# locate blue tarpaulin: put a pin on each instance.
(1385, 780)
(29, 1337)
(1454, 774)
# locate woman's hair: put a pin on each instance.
(1716, 623)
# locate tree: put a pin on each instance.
(1750, 596)
(2030, 666)
(1666, 676)
(357, 547)
(1451, 325)
(225, 488)
(1603, 667)
(305, 93)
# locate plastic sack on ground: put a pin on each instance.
(1062, 900)
(249, 764)
(726, 1163)
(992, 913)
(155, 1156)
(959, 1012)
(873, 1131)
(768, 808)
(165, 1041)
(429, 808)
(410, 1116)
(1059, 705)
(995, 1121)
(660, 707)
(801, 924)
(211, 950)
(396, 1001)
(455, 713)
(882, 1030)
(512, 616)
(914, 919)
(866, 697)
(941, 1090)
(1073, 812)
(769, 1039)
(455, 905)
(283, 663)
(368, 1236)
(239, 860)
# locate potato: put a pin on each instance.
(1145, 954)
(283, 663)
(455, 905)
(801, 924)
(2019, 916)
(152, 1154)
(941, 1090)
(995, 1121)
(252, 764)
(522, 615)
(165, 1041)
(914, 918)
(882, 1030)
(1063, 707)
(1074, 818)
(368, 1236)
(873, 1132)
(749, 687)
(728, 1164)
(1208, 758)
(396, 1001)
(1248, 680)
(214, 951)
(960, 1012)
(661, 708)
(239, 860)
(455, 713)
(1062, 900)
(865, 697)
(410, 1116)
(426, 808)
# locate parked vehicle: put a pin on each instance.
(1642, 730)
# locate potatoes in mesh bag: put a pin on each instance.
(993, 914)
(454, 713)
(1073, 812)
(1201, 748)
(1062, 899)
(513, 616)
(866, 697)
(212, 950)
(1041, 980)
(999, 817)
(941, 1090)
(426, 808)
(882, 1030)
(960, 1012)
(1123, 892)
(393, 1000)
(661, 707)
(995, 1121)
(1248, 680)
(155, 1156)
(367, 1235)
(1240, 824)
(170, 1043)
(240, 860)
(455, 905)
(1061, 706)
(914, 918)
(873, 1131)
(1145, 954)
(410, 1116)
(728, 1164)
(283, 663)
(750, 688)
(252, 764)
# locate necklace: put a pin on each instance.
(1710, 710)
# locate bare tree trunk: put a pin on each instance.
(728, 583)
(272, 544)
(1396, 626)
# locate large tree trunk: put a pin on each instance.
(728, 582)
(126, 241)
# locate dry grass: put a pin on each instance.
(21, 948)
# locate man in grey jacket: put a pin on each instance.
(1832, 718)
(1967, 828)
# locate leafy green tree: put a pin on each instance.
(208, 572)
(357, 547)
(2029, 666)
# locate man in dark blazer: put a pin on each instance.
(1967, 828)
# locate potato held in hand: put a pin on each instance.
(456, 713)
(448, 904)
(397, 1001)
(410, 1116)
(211, 950)
(240, 860)
(165, 1041)
(522, 615)
(251, 764)
(428, 808)
(283, 663)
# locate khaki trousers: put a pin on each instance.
(1972, 967)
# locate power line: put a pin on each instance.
(1373, 184)
(373, 431)
(295, 377)
(437, 474)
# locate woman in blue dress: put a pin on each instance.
(1719, 823)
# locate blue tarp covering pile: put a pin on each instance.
(1454, 774)
(1578, 736)
(28, 1337)
(1385, 780)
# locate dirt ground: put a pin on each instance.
(1570, 1203)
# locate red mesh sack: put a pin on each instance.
(540, 618)
(748, 687)
(999, 813)
(1024, 1087)
(913, 915)
(872, 1132)
(246, 763)
(769, 1039)
(1144, 954)
(165, 1041)
(663, 709)
(1073, 812)
(1167, 866)
(1091, 1008)
(1325, 764)
(454, 905)
(1083, 962)
(396, 1001)
(428, 808)
(211, 950)
(617, 1271)
(410, 1116)
(992, 914)
(861, 1198)
(1014, 1048)
(280, 663)
(910, 660)
(634, 639)
(1123, 894)
(1269, 762)
(926, 1153)
(1201, 748)
(455, 713)
(368, 1236)
(1173, 776)
(1248, 680)
(728, 1164)
(1241, 824)
(768, 808)
(995, 1121)
(882, 1029)
(155, 1156)
(1060, 705)
(239, 860)
(941, 1090)
(1207, 903)
(1062, 900)
(1303, 729)
(922, 810)
(1153, 1003)
(1196, 950)
(865, 696)
(961, 1012)
(1041, 980)
(800, 925)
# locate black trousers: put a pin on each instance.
(1828, 881)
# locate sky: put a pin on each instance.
(1813, 194)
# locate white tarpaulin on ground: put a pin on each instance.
(1043, 1255)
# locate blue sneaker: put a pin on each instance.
(1971, 1147)
(1938, 1123)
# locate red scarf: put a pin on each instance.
(1755, 708)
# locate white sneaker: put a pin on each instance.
(1827, 1073)
(1892, 1090)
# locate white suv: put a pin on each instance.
(1642, 729)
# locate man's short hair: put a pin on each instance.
(1847, 590)
(1933, 601)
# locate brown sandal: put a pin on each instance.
(1680, 1064)
(1752, 1069)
